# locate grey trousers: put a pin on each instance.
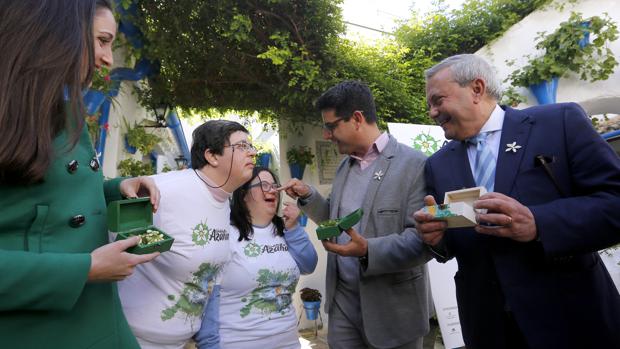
(344, 334)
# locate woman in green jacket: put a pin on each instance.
(57, 270)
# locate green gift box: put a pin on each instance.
(134, 217)
(333, 228)
(326, 230)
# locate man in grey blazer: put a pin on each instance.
(377, 280)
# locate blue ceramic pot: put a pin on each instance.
(297, 170)
(585, 40)
(312, 309)
(129, 148)
(546, 91)
(263, 159)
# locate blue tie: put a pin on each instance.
(484, 166)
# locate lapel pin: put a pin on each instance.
(512, 147)
(378, 175)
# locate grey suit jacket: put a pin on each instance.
(394, 288)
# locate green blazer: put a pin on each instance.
(47, 232)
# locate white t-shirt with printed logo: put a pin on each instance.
(164, 299)
(257, 286)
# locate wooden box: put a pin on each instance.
(458, 207)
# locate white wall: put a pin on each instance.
(596, 98)
(317, 279)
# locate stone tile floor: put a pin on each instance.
(309, 340)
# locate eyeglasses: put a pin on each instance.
(266, 186)
(245, 146)
(331, 126)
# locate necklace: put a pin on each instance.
(227, 178)
(205, 182)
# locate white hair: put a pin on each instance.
(466, 68)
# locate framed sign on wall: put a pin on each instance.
(328, 159)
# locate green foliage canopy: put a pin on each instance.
(277, 56)
(263, 55)
(442, 33)
(271, 56)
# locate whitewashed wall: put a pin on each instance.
(308, 138)
(596, 98)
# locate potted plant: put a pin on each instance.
(298, 157)
(565, 52)
(512, 98)
(94, 127)
(98, 91)
(134, 168)
(312, 302)
(263, 154)
(137, 138)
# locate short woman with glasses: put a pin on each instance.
(268, 255)
(164, 302)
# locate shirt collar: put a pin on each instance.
(375, 148)
(495, 122)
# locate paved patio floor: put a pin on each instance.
(309, 340)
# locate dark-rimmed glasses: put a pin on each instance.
(331, 126)
(265, 186)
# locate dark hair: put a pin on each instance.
(347, 97)
(240, 214)
(212, 135)
(43, 44)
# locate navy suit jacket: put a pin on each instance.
(557, 288)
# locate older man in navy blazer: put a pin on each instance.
(529, 274)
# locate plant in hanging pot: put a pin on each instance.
(137, 138)
(312, 302)
(98, 90)
(564, 53)
(102, 81)
(94, 127)
(263, 154)
(298, 157)
(512, 98)
(134, 168)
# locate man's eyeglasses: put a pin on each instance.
(331, 126)
(245, 146)
(266, 186)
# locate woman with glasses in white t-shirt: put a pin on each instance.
(268, 255)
